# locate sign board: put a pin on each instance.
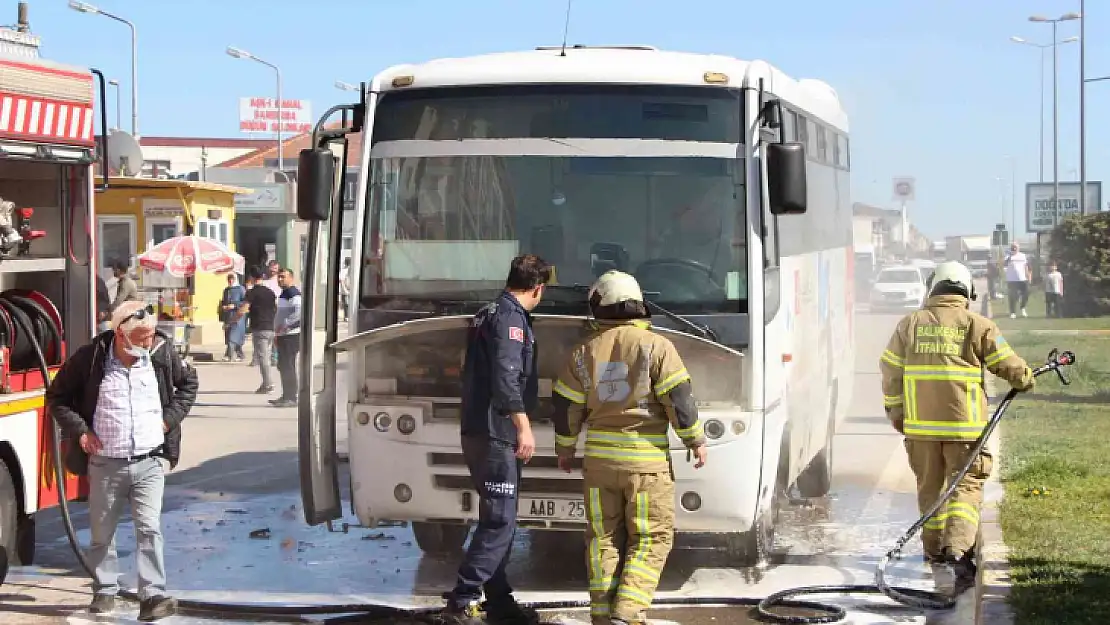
(261, 115)
(1040, 212)
(903, 189)
(153, 207)
(264, 198)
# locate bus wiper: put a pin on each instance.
(704, 332)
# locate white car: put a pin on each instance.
(899, 288)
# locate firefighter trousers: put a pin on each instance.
(956, 525)
(630, 521)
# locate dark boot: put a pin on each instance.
(102, 604)
(157, 607)
(509, 612)
(966, 572)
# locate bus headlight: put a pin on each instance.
(402, 493)
(382, 421)
(714, 429)
(406, 424)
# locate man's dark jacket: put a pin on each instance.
(500, 375)
(72, 396)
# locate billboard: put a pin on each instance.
(1041, 214)
(261, 115)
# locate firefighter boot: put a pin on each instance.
(966, 572)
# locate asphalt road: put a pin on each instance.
(239, 475)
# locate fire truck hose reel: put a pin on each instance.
(765, 608)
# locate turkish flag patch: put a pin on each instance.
(516, 334)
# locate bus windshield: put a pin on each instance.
(447, 226)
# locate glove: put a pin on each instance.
(1030, 382)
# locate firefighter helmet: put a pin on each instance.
(614, 287)
(952, 275)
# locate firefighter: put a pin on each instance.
(500, 389)
(625, 385)
(932, 378)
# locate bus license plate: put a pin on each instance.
(555, 509)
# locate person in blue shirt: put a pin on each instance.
(500, 388)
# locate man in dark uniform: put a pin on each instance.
(500, 387)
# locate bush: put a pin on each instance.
(1080, 246)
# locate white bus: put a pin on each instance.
(721, 184)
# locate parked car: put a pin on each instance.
(899, 288)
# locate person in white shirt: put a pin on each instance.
(1018, 275)
(1053, 292)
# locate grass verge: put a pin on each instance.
(1056, 439)
(1037, 319)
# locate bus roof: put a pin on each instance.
(633, 65)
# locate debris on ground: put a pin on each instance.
(261, 534)
(379, 536)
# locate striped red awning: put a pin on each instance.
(44, 102)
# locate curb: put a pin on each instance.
(992, 583)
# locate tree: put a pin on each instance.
(1080, 246)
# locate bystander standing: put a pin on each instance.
(1053, 292)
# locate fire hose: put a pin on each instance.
(767, 608)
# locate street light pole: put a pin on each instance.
(1043, 48)
(92, 10)
(1083, 110)
(243, 54)
(115, 83)
(1056, 111)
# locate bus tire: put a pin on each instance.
(751, 548)
(816, 479)
(439, 538)
(9, 517)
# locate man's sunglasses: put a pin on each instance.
(139, 314)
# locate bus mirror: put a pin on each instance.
(786, 178)
(315, 178)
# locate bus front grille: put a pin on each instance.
(528, 484)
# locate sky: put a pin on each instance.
(934, 89)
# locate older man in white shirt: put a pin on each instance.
(1018, 275)
(122, 399)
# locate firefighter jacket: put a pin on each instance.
(625, 385)
(500, 372)
(932, 370)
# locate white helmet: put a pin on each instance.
(615, 287)
(955, 273)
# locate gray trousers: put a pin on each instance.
(263, 341)
(112, 484)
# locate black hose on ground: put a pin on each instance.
(766, 607)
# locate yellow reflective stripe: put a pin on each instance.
(691, 432)
(626, 454)
(565, 441)
(892, 400)
(643, 528)
(893, 359)
(937, 523)
(597, 528)
(571, 394)
(964, 511)
(668, 383)
(634, 439)
(909, 388)
(642, 571)
(635, 595)
(942, 429)
(1000, 354)
(938, 367)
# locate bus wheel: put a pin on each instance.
(440, 538)
(9, 511)
(816, 479)
(751, 548)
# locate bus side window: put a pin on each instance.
(790, 126)
(842, 160)
(802, 128)
(822, 145)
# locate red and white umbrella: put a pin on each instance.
(184, 256)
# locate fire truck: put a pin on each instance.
(48, 146)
